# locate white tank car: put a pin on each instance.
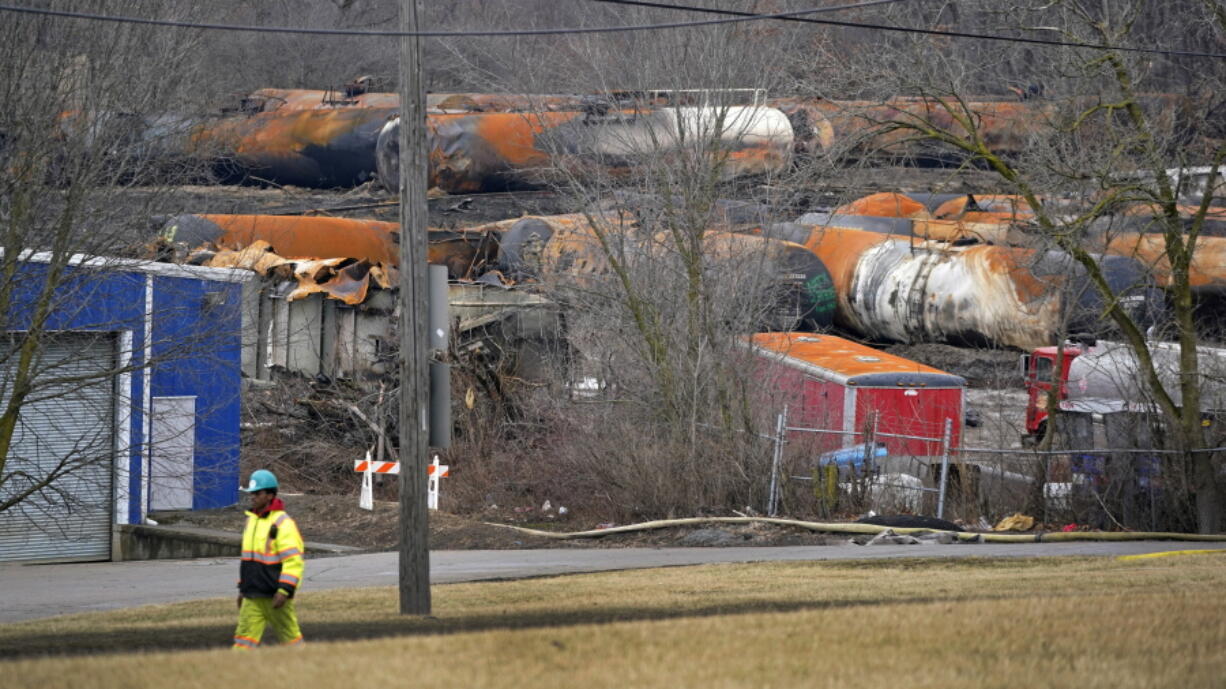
(1107, 378)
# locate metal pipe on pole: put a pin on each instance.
(772, 500)
(946, 441)
(413, 328)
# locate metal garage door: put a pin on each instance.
(66, 429)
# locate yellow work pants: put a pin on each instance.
(257, 613)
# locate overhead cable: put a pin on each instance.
(732, 17)
(116, 19)
(914, 30)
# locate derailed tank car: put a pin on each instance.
(269, 99)
(310, 147)
(792, 279)
(497, 151)
(904, 289)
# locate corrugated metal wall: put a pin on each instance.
(64, 427)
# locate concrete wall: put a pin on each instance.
(146, 542)
(140, 542)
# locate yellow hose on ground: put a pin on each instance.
(857, 528)
(1169, 553)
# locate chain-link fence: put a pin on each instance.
(1105, 472)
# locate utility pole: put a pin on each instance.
(414, 348)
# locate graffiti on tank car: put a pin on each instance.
(820, 289)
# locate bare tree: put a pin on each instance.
(84, 128)
(662, 417)
(1103, 126)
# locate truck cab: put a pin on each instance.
(1037, 368)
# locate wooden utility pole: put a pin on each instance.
(414, 348)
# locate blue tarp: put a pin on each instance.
(853, 455)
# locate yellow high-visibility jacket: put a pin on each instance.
(272, 555)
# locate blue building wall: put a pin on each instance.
(195, 350)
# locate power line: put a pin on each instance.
(117, 19)
(734, 16)
(913, 30)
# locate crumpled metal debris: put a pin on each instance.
(345, 279)
(341, 257)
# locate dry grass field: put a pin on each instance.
(918, 623)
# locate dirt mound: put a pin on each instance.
(982, 368)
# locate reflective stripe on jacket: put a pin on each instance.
(271, 557)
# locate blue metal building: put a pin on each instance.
(138, 396)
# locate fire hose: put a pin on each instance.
(873, 529)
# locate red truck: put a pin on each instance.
(1037, 368)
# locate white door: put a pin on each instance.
(173, 453)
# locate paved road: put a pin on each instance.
(32, 591)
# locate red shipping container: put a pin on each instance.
(837, 385)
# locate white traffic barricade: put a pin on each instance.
(367, 467)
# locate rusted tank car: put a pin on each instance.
(952, 231)
(959, 218)
(465, 253)
(1144, 218)
(1001, 220)
(549, 247)
(985, 208)
(850, 127)
(314, 147)
(1006, 127)
(818, 124)
(291, 236)
(473, 152)
(509, 102)
(904, 289)
(812, 131)
(1207, 273)
(863, 126)
(269, 99)
(886, 204)
(977, 208)
(815, 125)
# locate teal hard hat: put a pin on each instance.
(261, 479)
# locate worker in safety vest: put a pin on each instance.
(271, 567)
